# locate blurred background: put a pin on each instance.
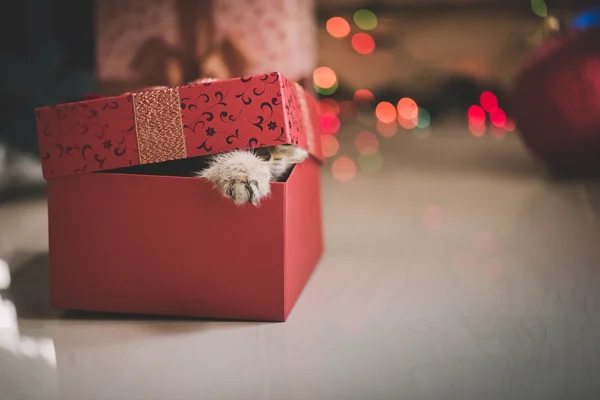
(436, 201)
(382, 68)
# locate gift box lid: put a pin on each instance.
(166, 124)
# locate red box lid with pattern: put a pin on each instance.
(172, 123)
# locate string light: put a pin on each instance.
(337, 27)
(385, 112)
(343, 169)
(363, 43)
(365, 19)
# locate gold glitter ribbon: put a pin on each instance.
(158, 125)
(308, 127)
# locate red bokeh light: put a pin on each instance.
(337, 27)
(366, 143)
(363, 43)
(488, 101)
(477, 130)
(476, 115)
(498, 117)
(328, 106)
(364, 95)
(387, 130)
(510, 125)
(385, 112)
(330, 123)
(407, 108)
(330, 145)
(343, 169)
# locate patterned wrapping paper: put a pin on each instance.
(168, 42)
(173, 123)
(280, 34)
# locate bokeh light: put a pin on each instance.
(328, 106)
(539, 7)
(407, 108)
(330, 123)
(423, 119)
(343, 169)
(366, 143)
(387, 130)
(385, 112)
(364, 96)
(324, 77)
(371, 162)
(408, 123)
(432, 218)
(330, 145)
(488, 101)
(337, 27)
(365, 19)
(363, 43)
(498, 117)
(510, 125)
(476, 129)
(476, 115)
(326, 91)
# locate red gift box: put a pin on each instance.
(172, 245)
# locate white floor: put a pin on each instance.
(455, 272)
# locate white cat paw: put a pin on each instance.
(240, 176)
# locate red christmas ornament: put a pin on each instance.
(557, 101)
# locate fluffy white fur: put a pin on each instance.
(245, 176)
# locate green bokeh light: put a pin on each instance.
(424, 119)
(539, 7)
(365, 19)
(326, 91)
(371, 163)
